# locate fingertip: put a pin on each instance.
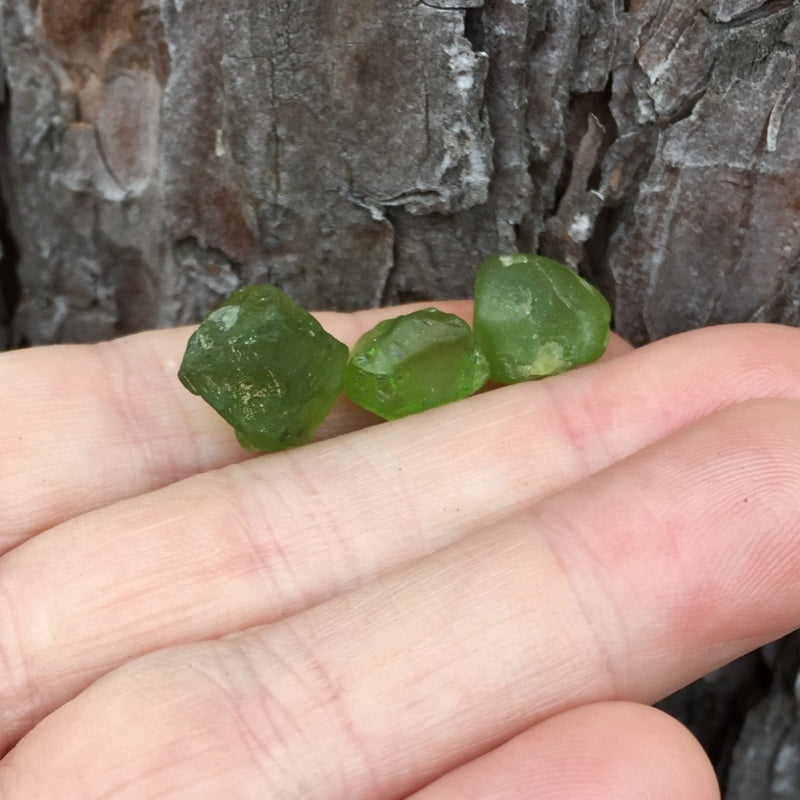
(603, 751)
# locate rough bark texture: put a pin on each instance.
(154, 155)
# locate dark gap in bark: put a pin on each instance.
(9, 279)
(474, 31)
(9, 252)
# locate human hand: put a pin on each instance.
(474, 602)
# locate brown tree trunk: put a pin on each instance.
(156, 154)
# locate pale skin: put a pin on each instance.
(480, 601)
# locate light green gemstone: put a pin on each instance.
(414, 362)
(266, 366)
(535, 317)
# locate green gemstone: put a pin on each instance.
(535, 317)
(267, 366)
(414, 362)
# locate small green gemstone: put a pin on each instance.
(535, 317)
(414, 362)
(266, 366)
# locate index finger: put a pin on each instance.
(87, 425)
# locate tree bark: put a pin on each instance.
(156, 154)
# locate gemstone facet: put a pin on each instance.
(266, 366)
(535, 317)
(414, 362)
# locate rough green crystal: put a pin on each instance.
(535, 317)
(267, 366)
(414, 362)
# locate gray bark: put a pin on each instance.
(156, 154)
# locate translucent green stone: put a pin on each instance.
(267, 366)
(535, 317)
(414, 362)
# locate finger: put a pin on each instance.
(94, 424)
(91, 424)
(625, 586)
(602, 751)
(264, 539)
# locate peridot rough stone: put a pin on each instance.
(266, 366)
(535, 317)
(414, 362)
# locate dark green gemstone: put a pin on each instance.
(267, 366)
(535, 317)
(414, 362)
